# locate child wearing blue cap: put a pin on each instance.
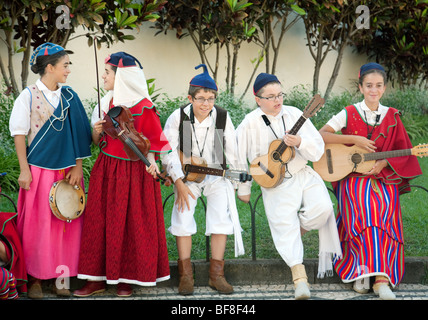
(123, 238)
(52, 136)
(371, 233)
(195, 130)
(301, 201)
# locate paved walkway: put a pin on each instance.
(331, 291)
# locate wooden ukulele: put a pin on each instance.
(340, 160)
(269, 170)
(195, 169)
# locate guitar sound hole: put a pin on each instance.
(276, 156)
(356, 158)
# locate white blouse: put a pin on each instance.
(339, 121)
(19, 122)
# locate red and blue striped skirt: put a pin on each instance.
(7, 285)
(370, 230)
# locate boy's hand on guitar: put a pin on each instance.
(245, 198)
(183, 193)
(377, 168)
(364, 143)
(292, 140)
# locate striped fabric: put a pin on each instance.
(7, 285)
(370, 229)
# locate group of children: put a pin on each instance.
(120, 239)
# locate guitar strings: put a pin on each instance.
(285, 130)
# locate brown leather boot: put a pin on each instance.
(35, 288)
(217, 280)
(185, 272)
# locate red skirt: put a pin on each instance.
(123, 238)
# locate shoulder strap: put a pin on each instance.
(185, 133)
(219, 141)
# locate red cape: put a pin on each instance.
(146, 121)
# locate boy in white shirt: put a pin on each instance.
(192, 131)
(301, 201)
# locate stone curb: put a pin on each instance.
(274, 271)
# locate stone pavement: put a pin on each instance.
(326, 291)
(262, 289)
(268, 279)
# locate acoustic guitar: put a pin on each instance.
(340, 160)
(269, 170)
(195, 169)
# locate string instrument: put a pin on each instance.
(340, 160)
(195, 169)
(269, 170)
(120, 125)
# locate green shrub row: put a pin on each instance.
(413, 103)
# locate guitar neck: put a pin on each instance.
(204, 170)
(282, 147)
(387, 154)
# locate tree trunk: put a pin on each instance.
(336, 69)
(234, 66)
(27, 52)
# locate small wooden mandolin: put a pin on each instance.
(269, 170)
(340, 160)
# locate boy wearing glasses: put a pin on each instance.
(202, 129)
(301, 202)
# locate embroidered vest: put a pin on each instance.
(41, 111)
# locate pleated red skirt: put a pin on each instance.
(123, 238)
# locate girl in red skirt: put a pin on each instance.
(123, 239)
(369, 213)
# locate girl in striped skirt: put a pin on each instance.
(369, 213)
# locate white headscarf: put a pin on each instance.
(130, 87)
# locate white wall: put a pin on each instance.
(171, 62)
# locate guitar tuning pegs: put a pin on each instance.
(244, 177)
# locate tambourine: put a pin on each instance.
(67, 202)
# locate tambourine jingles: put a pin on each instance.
(67, 202)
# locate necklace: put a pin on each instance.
(370, 133)
(53, 117)
(197, 143)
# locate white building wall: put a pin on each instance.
(171, 62)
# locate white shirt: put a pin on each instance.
(339, 121)
(19, 122)
(205, 131)
(254, 138)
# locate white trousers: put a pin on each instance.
(300, 201)
(218, 219)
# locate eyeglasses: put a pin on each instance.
(278, 97)
(202, 100)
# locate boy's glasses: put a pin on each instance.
(278, 97)
(202, 100)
